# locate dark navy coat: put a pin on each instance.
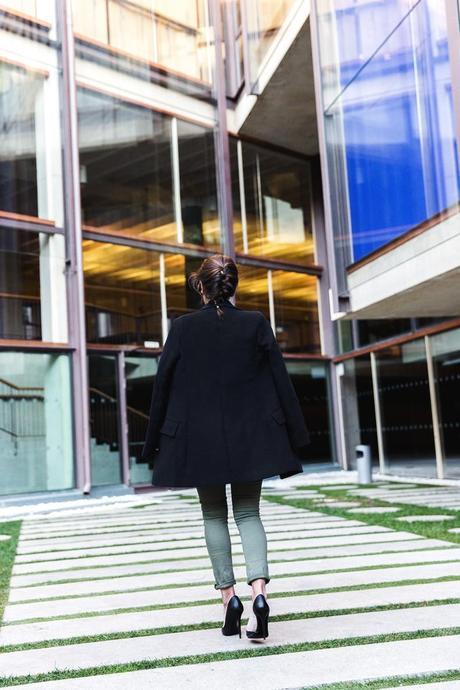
(223, 406)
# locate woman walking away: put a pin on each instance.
(224, 411)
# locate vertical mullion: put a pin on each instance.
(438, 445)
(453, 40)
(378, 413)
(123, 429)
(244, 220)
(271, 300)
(222, 152)
(74, 256)
(163, 302)
(176, 181)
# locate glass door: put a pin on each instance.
(139, 375)
(104, 420)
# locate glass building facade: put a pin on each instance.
(139, 88)
(388, 118)
(117, 173)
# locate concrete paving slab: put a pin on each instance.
(106, 602)
(194, 615)
(150, 647)
(184, 538)
(136, 558)
(345, 664)
(201, 551)
(161, 528)
(5, 537)
(170, 533)
(186, 571)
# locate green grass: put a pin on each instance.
(384, 683)
(7, 554)
(433, 530)
(321, 571)
(208, 625)
(244, 653)
(273, 595)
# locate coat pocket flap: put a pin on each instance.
(278, 414)
(169, 427)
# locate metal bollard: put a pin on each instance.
(364, 464)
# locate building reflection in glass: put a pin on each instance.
(172, 35)
(20, 130)
(272, 204)
(388, 117)
(126, 164)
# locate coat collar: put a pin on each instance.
(221, 302)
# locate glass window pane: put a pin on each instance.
(105, 434)
(170, 34)
(252, 290)
(446, 360)
(21, 176)
(264, 19)
(296, 311)
(310, 380)
(122, 293)
(126, 173)
(180, 298)
(358, 408)
(200, 218)
(406, 410)
(140, 374)
(36, 448)
(277, 196)
(390, 126)
(31, 268)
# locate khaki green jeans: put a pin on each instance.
(245, 502)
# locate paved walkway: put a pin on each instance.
(125, 589)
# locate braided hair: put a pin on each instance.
(217, 279)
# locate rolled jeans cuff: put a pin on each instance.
(258, 573)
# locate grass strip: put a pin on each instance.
(172, 571)
(385, 683)
(123, 553)
(245, 653)
(207, 625)
(179, 585)
(430, 530)
(272, 560)
(7, 554)
(203, 602)
(83, 535)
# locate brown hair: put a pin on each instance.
(218, 274)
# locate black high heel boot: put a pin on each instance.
(261, 610)
(233, 613)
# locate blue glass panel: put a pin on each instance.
(398, 134)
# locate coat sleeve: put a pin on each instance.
(297, 430)
(168, 360)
